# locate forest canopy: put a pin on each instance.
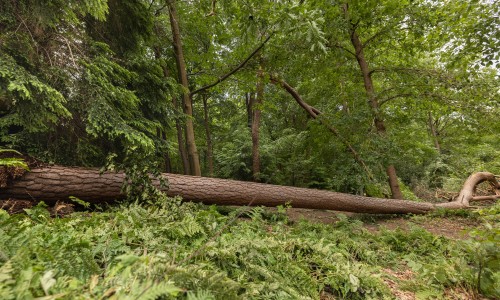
(342, 95)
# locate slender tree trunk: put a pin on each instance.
(210, 160)
(393, 182)
(55, 183)
(166, 157)
(180, 139)
(373, 102)
(256, 112)
(193, 157)
(178, 126)
(255, 145)
(434, 134)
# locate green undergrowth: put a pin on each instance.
(170, 250)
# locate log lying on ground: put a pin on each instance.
(54, 183)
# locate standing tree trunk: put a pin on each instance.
(160, 133)
(210, 159)
(168, 161)
(180, 138)
(178, 126)
(193, 157)
(373, 102)
(58, 183)
(256, 111)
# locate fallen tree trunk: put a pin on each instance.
(54, 183)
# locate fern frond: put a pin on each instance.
(161, 289)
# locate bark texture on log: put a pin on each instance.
(55, 183)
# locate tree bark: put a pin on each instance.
(248, 104)
(372, 101)
(393, 182)
(180, 140)
(466, 195)
(54, 183)
(193, 157)
(256, 111)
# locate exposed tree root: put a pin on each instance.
(466, 195)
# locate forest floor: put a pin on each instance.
(221, 252)
(452, 227)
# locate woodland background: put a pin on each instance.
(409, 88)
(342, 96)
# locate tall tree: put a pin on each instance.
(256, 113)
(93, 83)
(372, 97)
(193, 157)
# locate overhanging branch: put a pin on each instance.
(337, 45)
(236, 69)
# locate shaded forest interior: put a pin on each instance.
(365, 99)
(309, 107)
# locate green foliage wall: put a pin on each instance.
(66, 96)
(91, 83)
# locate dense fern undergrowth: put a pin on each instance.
(174, 250)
